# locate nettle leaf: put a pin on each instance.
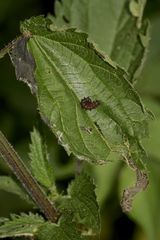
(124, 37)
(65, 229)
(41, 167)
(81, 200)
(87, 102)
(23, 225)
(9, 185)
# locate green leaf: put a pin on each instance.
(81, 200)
(23, 225)
(66, 229)
(68, 70)
(41, 167)
(121, 35)
(9, 185)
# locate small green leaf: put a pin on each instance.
(41, 167)
(23, 225)
(9, 185)
(65, 229)
(81, 200)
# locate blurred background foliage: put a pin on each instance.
(18, 115)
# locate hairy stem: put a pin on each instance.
(6, 49)
(25, 177)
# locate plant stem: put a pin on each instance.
(25, 177)
(6, 50)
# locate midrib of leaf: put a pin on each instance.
(74, 96)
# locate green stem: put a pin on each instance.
(25, 177)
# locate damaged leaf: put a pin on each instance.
(130, 193)
(23, 62)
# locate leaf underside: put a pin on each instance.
(68, 70)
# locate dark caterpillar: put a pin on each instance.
(88, 104)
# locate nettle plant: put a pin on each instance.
(81, 65)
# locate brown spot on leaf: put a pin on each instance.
(88, 104)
